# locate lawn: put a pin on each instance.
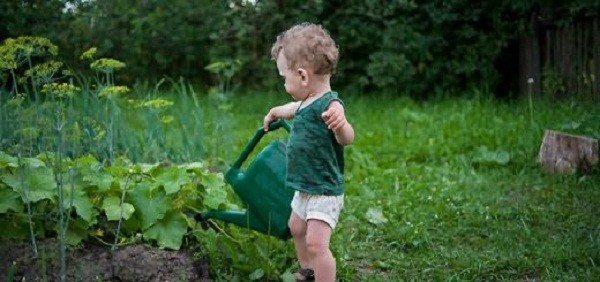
(441, 190)
(451, 190)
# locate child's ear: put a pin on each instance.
(303, 75)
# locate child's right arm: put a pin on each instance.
(284, 111)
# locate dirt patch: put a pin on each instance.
(98, 263)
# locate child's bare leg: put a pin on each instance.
(298, 230)
(317, 243)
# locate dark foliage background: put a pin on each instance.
(416, 47)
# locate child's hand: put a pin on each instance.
(334, 116)
(268, 119)
(283, 111)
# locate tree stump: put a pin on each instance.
(561, 152)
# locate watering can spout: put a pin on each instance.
(238, 217)
(247, 219)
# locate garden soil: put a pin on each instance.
(98, 263)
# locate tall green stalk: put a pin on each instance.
(33, 82)
(111, 128)
(28, 204)
(115, 244)
(22, 175)
(14, 79)
(58, 177)
(10, 276)
(530, 90)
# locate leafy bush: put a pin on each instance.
(119, 202)
(428, 47)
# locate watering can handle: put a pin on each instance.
(260, 132)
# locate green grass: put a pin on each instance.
(444, 190)
(454, 212)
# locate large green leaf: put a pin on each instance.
(146, 168)
(193, 166)
(131, 225)
(212, 180)
(117, 171)
(172, 179)
(81, 201)
(9, 200)
(149, 202)
(6, 160)
(13, 229)
(483, 156)
(168, 232)
(215, 193)
(33, 163)
(77, 231)
(101, 180)
(214, 197)
(375, 216)
(112, 207)
(258, 274)
(87, 165)
(36, 183)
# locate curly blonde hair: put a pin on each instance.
(307, 45)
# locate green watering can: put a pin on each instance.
(261, 187)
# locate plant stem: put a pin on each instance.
(15, 85)
(44, 266)
(114, 246)
(11, 272)
(29, 214)
(110, 136)
(33, 83)
(61, 211)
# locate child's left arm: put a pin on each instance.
(335, 118)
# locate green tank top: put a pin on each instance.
(315, 160)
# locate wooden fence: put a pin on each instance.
(564, 62)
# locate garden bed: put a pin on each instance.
(97, 263)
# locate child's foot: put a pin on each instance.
(305, 274)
